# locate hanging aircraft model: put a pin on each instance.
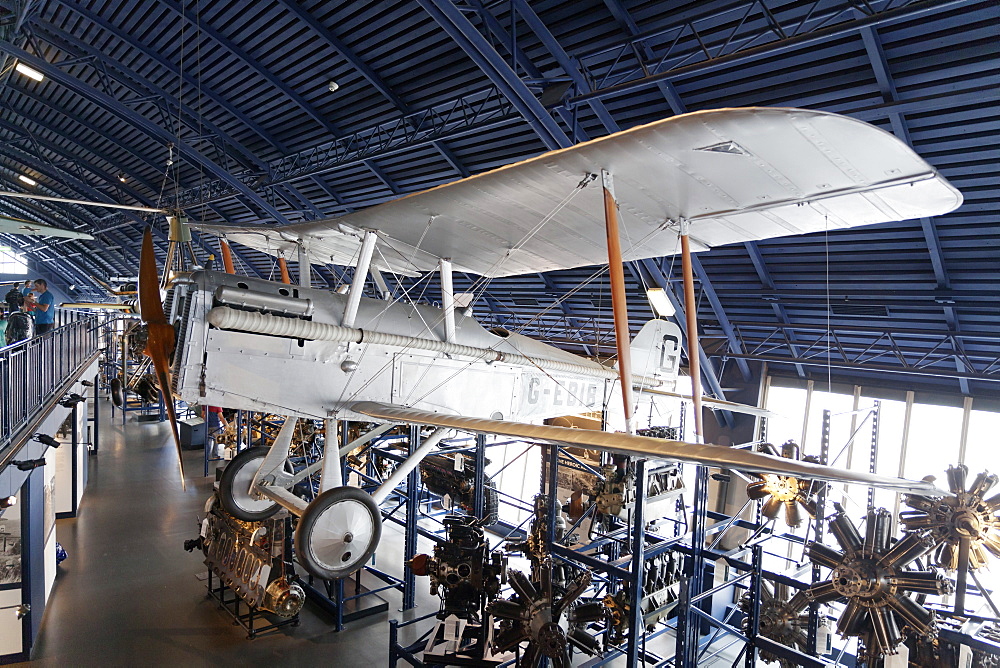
(692, 181)
(18, 226)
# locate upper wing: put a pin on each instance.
(642, 446)
(736, 174)
(18, 226)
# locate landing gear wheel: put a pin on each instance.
(234, 488)
(338, 532)
(117, 395)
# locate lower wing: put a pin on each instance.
(643, 446)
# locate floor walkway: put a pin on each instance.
(129, 595)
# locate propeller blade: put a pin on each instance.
(150, 306)
(161, 336)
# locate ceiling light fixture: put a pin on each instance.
(8, 501)
(27, 179)
(660, 302)
(29, 72)
(333, 86)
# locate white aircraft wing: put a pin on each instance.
(736, 174)
(643, 446)
(17, 226)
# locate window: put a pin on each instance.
(11, 262)
(981, 443)
(790, 405)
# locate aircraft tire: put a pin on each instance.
(338, 532)
(234, 486)
(117, 395)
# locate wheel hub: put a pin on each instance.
(861, 578)
(552, 640)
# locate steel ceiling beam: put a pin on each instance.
(631, 28)
(521, 59)
(150, 128)
(170, 67)
(368, 73)
(229, 45)
(472, 42)
(76, 186)
(887, 88)
(757, 258)
(11, 31)
(720, 313)
(130, 149)
(41, 147)
(565, 62)
(478, 111)
(124, 241)
(131, 80)
(723, 58)
(563, 306)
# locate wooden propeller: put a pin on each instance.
(160, 343)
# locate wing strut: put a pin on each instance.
(447, 299)
(286, 278)
(691, 315)
(227, 256)
(360, 276)
(618, 304)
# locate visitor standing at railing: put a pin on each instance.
(19, 323)
(45, 309)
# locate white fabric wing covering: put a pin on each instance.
(736, 174)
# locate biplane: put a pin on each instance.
(682, 184)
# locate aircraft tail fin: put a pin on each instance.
(656, 351)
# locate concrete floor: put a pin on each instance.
(129, 595)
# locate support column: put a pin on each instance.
(638, 566)
(479, 491)
(410, 528)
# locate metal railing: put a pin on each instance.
(32, 370)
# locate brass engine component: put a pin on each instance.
(872, 577)
(780, 619)
(779, 491)
(250, 558)
(967, 515)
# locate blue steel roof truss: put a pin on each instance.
(438, 90)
